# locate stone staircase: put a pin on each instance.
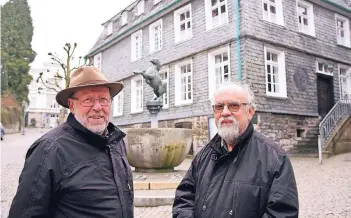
(307, 146)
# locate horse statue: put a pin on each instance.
(153, 78)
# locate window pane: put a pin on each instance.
(223, 10)
(272, 9)
(182, 17)
(226, 69)
(182, 27)
(213, 2)
(188, 14)
(225, 56)
(215, 12)
(188, 24)
(218, 59)
(189, 68)
(275, 57)
(265, 6)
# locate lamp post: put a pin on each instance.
(24, 104)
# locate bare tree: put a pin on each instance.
(67, 68)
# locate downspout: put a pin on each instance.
(237, 37)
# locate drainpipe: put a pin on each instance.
(237, 36)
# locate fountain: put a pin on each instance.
(156, 149)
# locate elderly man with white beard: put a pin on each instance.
(78, 169)
(239, 173)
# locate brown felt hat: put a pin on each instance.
(86, 77)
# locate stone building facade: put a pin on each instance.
(295, 55)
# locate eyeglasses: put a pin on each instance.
(89, 102)
(232, 107)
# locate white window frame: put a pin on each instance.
(279, 19)
(345, 93)
(310, 18)
(157, 1)
(282, 93)
(324, 70)
(346, 28)
(118, 104)
(166, 95)
(134, 55)
(98, 61)
(222, 19)
(188, 31)
(134, 108)
(177, 83)
(212, 68)
(109, 28)
(124, 18)
(140, 8)
(152, 35)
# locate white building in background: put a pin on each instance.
(43, 107)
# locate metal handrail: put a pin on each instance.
(341, 109)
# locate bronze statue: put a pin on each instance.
(152, 78)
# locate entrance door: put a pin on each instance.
(325, 94)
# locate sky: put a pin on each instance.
(59, 21)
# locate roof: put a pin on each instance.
(135, 21)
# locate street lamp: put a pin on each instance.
(24, 104)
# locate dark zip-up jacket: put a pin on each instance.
(255, 179)
(72, 172)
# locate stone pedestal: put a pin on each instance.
(154, 107)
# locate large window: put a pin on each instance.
(183, 23)
(275, 72)
(183, 83)
(155, 32)
(137, 94)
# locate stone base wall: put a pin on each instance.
(282, 128)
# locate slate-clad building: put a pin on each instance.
(295, 54)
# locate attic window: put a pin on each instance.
(109, 28)
(140, 7)
(124, 18)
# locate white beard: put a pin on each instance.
(97, 129)
(228, 133)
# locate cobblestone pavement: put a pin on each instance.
(324, 190)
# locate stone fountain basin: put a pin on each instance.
(157, 148)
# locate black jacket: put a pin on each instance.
(72, 172)
(255, 179)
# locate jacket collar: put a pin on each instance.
(240, 142)
(114, 134)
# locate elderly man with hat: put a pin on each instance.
(78, 169)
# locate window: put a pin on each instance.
(216, 13)
(124, 18)
(109, 28)
(273, 11)
(137, 45)
(218, 68)
(165, 78)
(156, 36)
(97, 61)
(275, 73)
(157, 1)
(342, 30)
(323, 68)
(118, 104)
(137, 94)
(182, 23)
(140, 7)
(306, 17)
(345, 82)
(183, 83)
